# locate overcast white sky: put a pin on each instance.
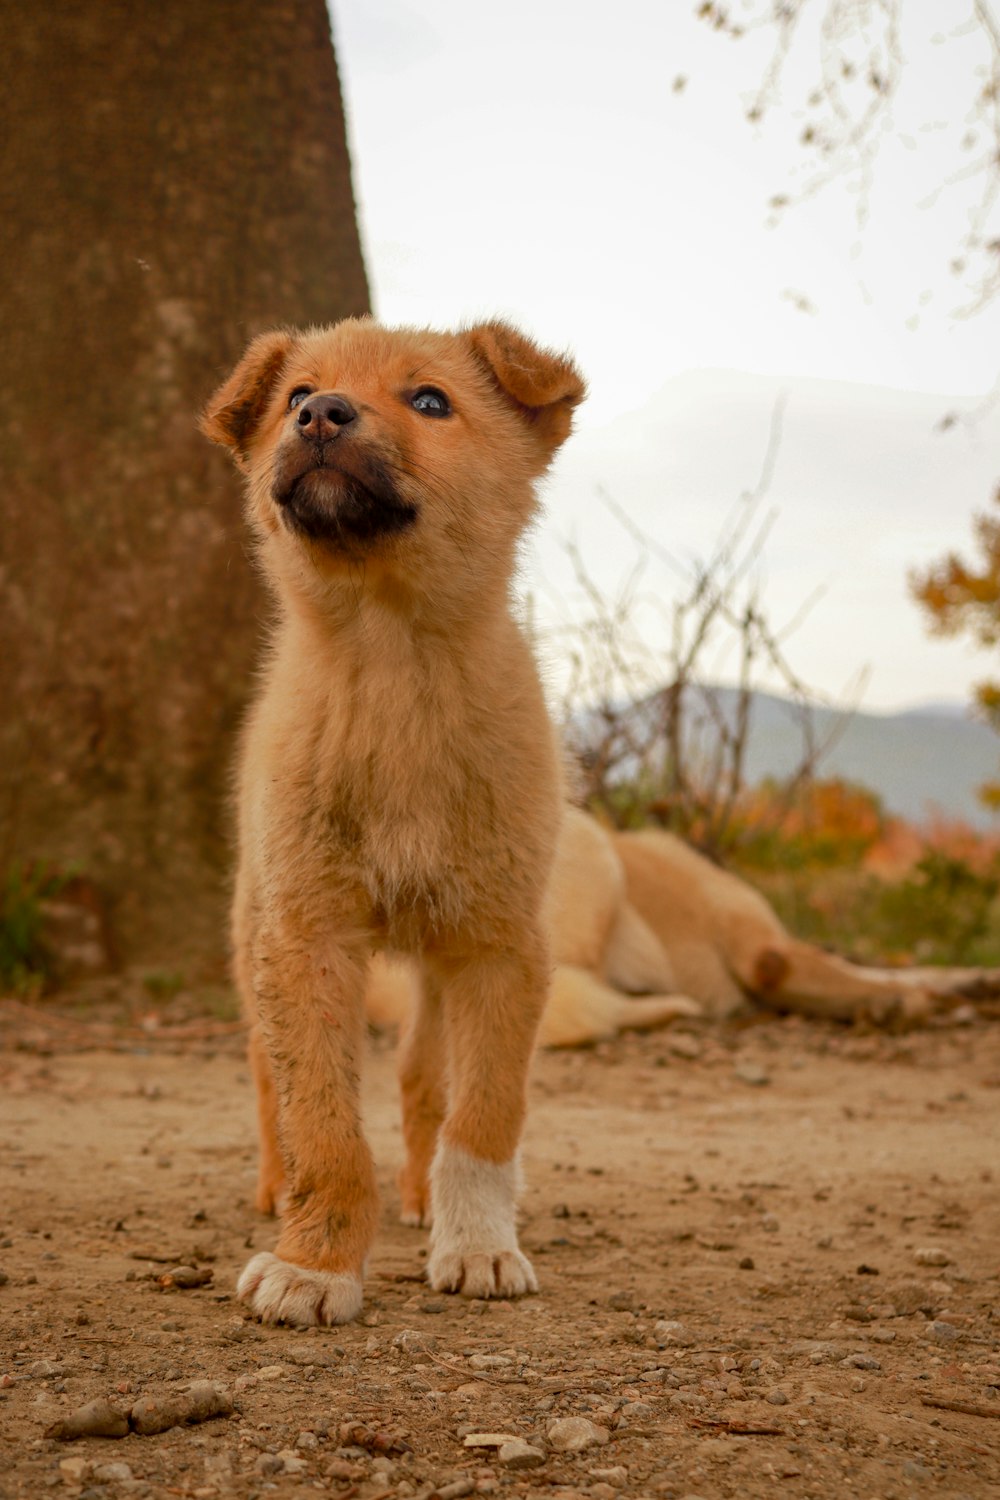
(535, 160)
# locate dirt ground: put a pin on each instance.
(769, 1257)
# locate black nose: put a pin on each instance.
(322, 415)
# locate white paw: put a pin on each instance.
(507, 1274)
(474, 1242)
(279, 1292)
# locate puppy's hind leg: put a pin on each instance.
(493, 1002)
(309, 996)
(422, 1085)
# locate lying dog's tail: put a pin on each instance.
(635, 959)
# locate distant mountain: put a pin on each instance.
(940, 710)
(924, 760)
(920, 762)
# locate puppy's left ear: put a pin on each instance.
(232, 415)
(542, 386)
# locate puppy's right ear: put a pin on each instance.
(542, 387)
(233, 414)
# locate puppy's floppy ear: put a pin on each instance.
(544, 387)
(234, 411)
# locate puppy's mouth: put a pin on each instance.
(331, 503)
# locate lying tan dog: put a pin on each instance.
(399, 784)
(643, 913)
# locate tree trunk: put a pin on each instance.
(174, 178)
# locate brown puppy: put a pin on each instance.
(390, 474)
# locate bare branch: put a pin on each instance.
(655, 735)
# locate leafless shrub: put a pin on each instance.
(654, 735)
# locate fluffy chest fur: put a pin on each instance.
(417, 777)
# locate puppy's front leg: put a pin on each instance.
(309, 998)
(493, 1003)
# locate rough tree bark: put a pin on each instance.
(173, 178)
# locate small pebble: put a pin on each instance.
(291, 1463)
(932, 1257)
(622, 1302)
(412, 1341)
(489, 1362)
(97, 1419)
(682, 1044)
(636, 1411)
(74, 1470)
(111, 1473)
(747, 1263)
(575, 1434)
(518, 1454)
(777, 1397)
(342, 1468)
(910, 1297)
(751, 1073)
(617, 1476)
(668, 1331)
(944, 1333)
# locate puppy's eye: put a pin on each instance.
(430, 402)
(298, 396)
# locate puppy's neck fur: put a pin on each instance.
(369, 606)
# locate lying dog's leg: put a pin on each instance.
(271, 1191)
(492, 1006)
(799, 977)
(309, 997)
(422, 1086)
